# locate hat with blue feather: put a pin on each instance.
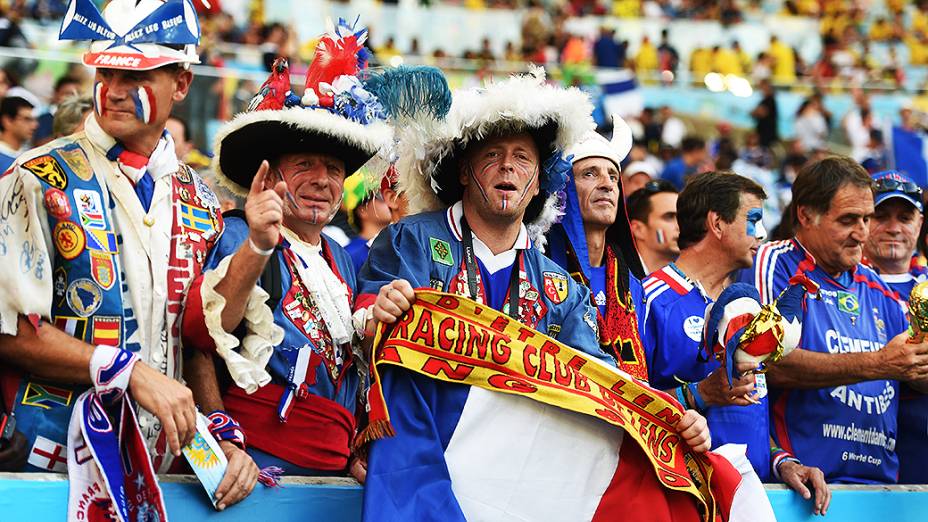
(134, 34)
(345, 110)
(431, 151)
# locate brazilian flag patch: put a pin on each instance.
(441, 251)
(847, 303)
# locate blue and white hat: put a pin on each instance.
(134, 34)
(894, 184)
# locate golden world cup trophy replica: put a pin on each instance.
(918, 313)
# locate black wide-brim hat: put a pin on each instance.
(243, 143)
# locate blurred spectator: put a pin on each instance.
(17, 126)
(766, 116)
(511, 54)
(755, 153)
(646, 59)
(606, 51)
(693, 154)
(70, 116)
(857, 124)
(672, 128)
(652, 215)
(725, 61)
(744, 59)
(651, 130)
(6, 81)
(226, 29)
(275, 39)
(763, 68)
(636, 175)
(11, 35)
(668, 57)
(700, 63)
(64, 87)
(369, 217)
(881, 30)
(784, 61)
(184, 148)
(811, 127)
(387, 51)
(876, 157)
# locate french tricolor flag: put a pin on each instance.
(467, 453)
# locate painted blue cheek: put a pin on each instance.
(755, 215)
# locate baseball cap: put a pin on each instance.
(639, 167)
(894, 184)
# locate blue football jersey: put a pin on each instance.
(674, 313)
(848, 431)
(912, 446)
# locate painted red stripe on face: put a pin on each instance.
(151, 104)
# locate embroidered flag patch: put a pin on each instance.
(441, 251)
(46, 396)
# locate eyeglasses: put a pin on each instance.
(891, 185)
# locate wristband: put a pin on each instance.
(110, 369)
(777, 457)
(697, 399)
(223, 427)
(259, 251)
(360, 319)
(681, 397)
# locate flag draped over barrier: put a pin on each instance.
(453, 339)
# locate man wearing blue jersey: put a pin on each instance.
(494, 181)
(889, 250)
(720, 230)
(835, 399)
(593, 241)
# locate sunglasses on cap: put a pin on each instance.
(892, 185)
(658, 185)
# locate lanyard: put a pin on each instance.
(472, 270)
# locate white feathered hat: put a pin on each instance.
(134, 34)
(555, 117)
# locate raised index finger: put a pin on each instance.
(257, 184)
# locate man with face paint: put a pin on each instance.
(889, 250)
(652, 215)
(491, 187)
(594, 243)
(274, 305)
(103, 232)
(835, 398)
(721, 228)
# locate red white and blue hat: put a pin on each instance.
(894, 184)
(134, 34)
(336, 115)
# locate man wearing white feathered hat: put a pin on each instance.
(483, 190)
(102, 231)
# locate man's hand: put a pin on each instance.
(800, 478)
(358, 469)
(392, 301)
(903, 361)
(714, 389)
(694, 430)
(240, 478)
(264, 210)
(167, 399)
(13, 457)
